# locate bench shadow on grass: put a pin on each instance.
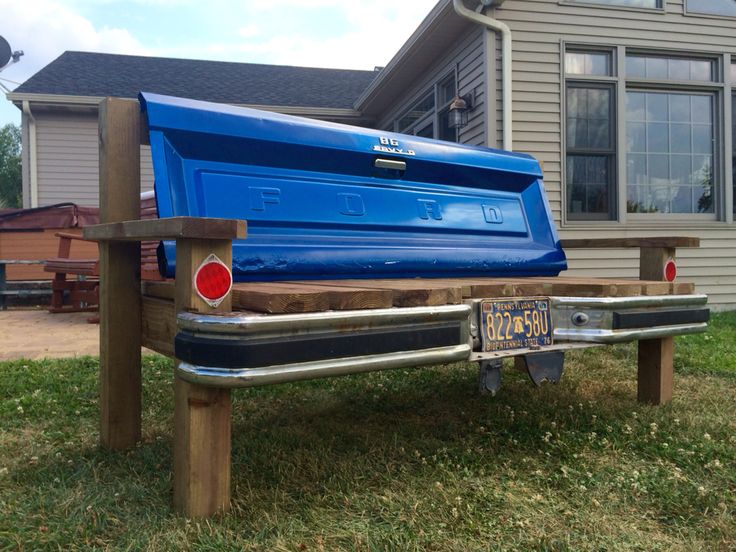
(315, 436)
(304, 447)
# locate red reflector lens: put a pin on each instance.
(213, 280)
(670, 271)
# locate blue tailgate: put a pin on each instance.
(325, 200)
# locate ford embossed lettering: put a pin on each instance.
(519, 323)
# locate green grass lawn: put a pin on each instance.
(402, 460)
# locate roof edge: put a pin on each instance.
(58, 99)
(53, 98)
(441, 8)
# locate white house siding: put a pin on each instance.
(538, 28)
(68, 159)
(468, 58)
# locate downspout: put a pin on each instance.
(495, 26)
(32, 149)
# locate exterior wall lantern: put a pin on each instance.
(459, 109)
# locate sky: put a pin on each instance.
(354, 34)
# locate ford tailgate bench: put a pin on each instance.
(366, 250)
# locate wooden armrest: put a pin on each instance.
(168, 229)
(594, 243)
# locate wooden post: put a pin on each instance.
(202, 415)
(655, 376)
(120, 310)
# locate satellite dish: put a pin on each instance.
(5, 52)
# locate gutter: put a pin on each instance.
(50, 100)
(494, 26)
(32, 157)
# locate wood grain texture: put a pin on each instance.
(655, 357)
(480, 287)
(596, 243)
(409, 292)
(120, 172)
(279, 298)
(655, 373)
(161, 290)
(158, 323)
(652, 261)
(343, 297)
(320, 295)
(202, 415)
(202, 449)
(120, 311)
(168, 229)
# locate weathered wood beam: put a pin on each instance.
(167, 229)
(120, 310)
(202, 415)
(655, 375)
(595, 243)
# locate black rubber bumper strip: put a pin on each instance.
(646, 318)
(253, 353)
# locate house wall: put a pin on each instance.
(468, 58)
(68, 159)
(539, 28)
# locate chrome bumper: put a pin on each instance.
(239, 350)
(251, 350)
(620, 319)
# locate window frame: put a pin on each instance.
(599, 81)
(433, 116)
(585, 3)
(729, 139)
(689, 13)
(715, 86)
(722, 175)
(718, 193)
(609, 153)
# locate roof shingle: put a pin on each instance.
(93, 74)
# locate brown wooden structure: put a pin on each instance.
(132, 316)
(82, 287)
(82, 292)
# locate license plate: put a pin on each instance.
(517, 323)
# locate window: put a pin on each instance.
(669, 152)
(588, 63)
(590, 136)
(668, 163)
(651, 4)
(712, 7)
(416, 112)
(590, 150)
(669, 68)
(429, 116)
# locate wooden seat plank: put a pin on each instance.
(279, 298)
(321, 295)
(478, 287)
(338, 297)
(406, 293)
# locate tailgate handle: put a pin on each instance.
(390, 164)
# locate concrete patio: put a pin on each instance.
(37, 334)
